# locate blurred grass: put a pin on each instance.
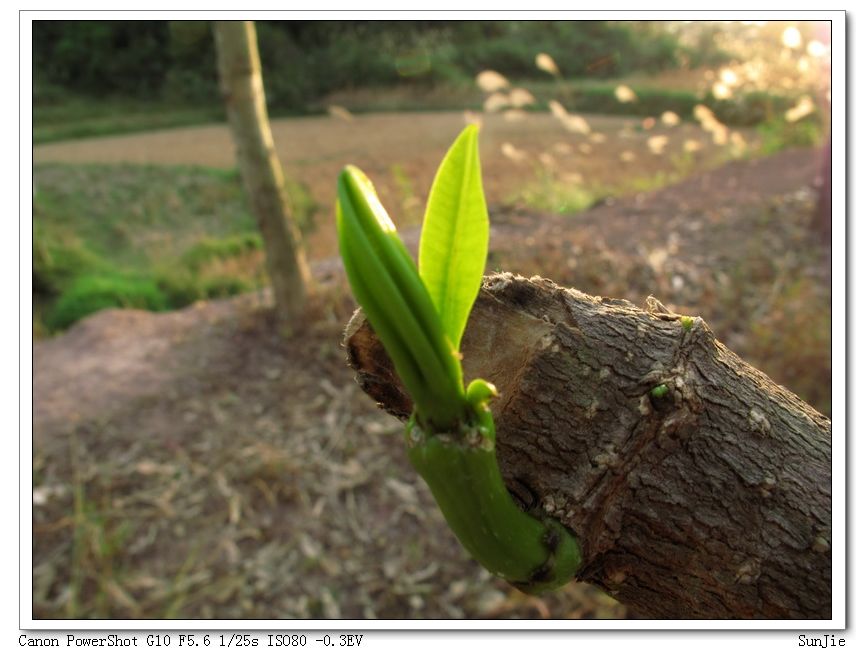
(654, 96)
(74, 117)
(548, 192)
(777, 134)
(774, 302)
(581, 96)
(86, 294)
(78, 117)
(551, 194)
(141, 236)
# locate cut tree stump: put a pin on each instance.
(712, 501)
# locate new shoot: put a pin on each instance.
(419, 314)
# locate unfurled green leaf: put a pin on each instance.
(453, 242)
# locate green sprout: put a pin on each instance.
(687, 323)
(420, 315)
(660, 391)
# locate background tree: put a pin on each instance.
(243, 91)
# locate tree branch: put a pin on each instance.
(710, 501)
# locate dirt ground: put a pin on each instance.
(197, 464)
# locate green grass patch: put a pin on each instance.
(87, 294)
(582, 96)
(75, 118)
(549, 194)
(142, 236)
(778, 134)
(57, 258)
(133, 214)
(577, 95)
(210, 249)
(70, 117)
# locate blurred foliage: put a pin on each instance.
(186, 235)
(792, 342)
(551, 194)
(99, 57)
(601, 98)
(82, 117)
(777, 134)
(581, 48)
(304, 60)
(90, 293)
(748, 108)
(94, 78)
(758, 55)
(210, 249)
(55, 259)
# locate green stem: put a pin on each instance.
(463, 475)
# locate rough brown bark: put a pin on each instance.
(243, 92)
(711, 502)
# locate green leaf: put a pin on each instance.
(453, 242)
(387, 285)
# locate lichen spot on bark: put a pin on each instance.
(748, 572)
(548, 341)
(645, 405)
(820, 545)
(767, 485)
(758, 422)
(617, 576)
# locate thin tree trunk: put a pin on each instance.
(712, 501)
(822, 221)
(243, 92)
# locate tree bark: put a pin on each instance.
(713, 501)
(243, 92)
(822, 221)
